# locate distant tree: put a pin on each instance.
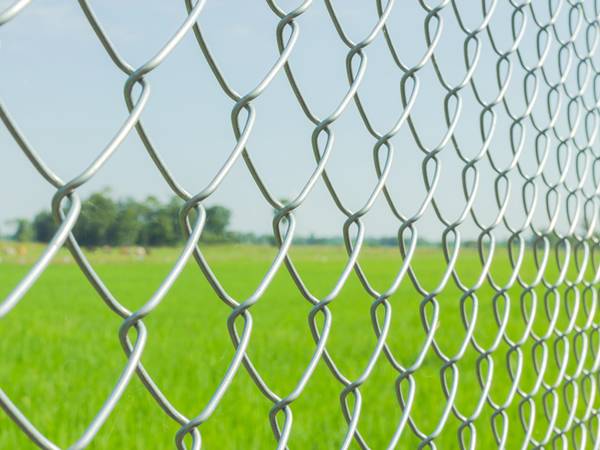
(44, 226)
(128, 224)
(217, 220)
(172, 209)
(98, 213)
(103, 221)
(161, 223)
(24, 231)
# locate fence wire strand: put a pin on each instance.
(566, 34)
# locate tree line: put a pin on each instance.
(104, 221)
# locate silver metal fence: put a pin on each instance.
(560, 115)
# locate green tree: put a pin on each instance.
(44, 227)
(24, 231)
(217, 220)
(161, 225)
(128, 224)
(103, 221)
(98, 213)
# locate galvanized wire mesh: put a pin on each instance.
(558, 112)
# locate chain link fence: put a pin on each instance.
(545, 88)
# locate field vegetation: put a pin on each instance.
(61, 354)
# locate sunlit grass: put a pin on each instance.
(61, 354)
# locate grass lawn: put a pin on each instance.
(60, 353)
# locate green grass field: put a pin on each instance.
(61, 355)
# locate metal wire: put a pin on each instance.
(571, 196)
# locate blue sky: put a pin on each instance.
(66, 95)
